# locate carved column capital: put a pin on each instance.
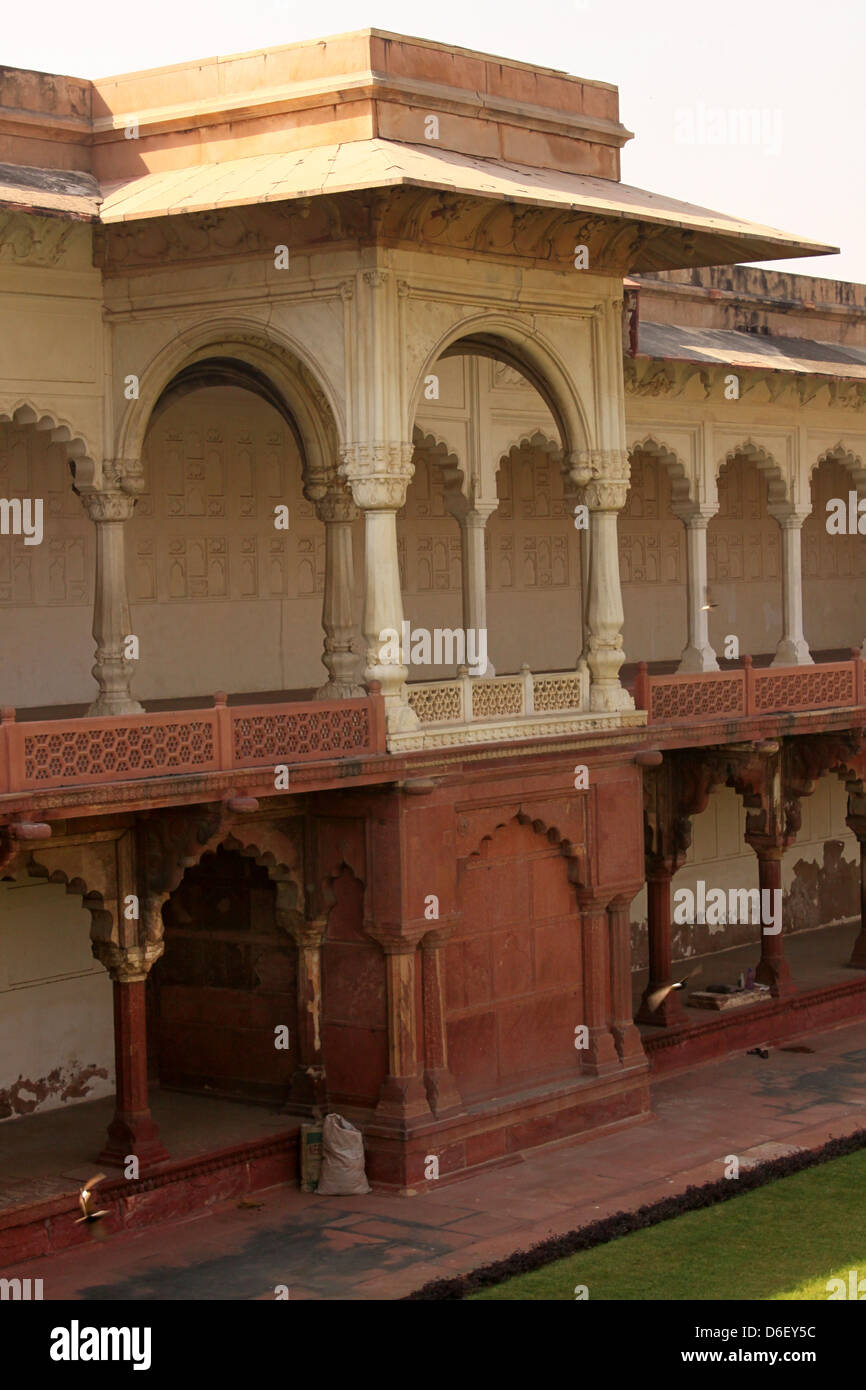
(108, 506)
(127, 964)
(378, 473)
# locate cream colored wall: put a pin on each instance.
(56, 1022)
(720, 856)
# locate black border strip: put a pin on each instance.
(622, 1223)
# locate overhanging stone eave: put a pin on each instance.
(672, 235)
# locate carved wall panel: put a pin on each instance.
(743, 540)
(60, 569)
(202, 542)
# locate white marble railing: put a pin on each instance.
(471, 698)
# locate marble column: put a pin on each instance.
(132, 1131)
(379, 475)
(472, 518)
(603, 478)
(792, 649)
(337, 511)
(697, 654)
(111, 623)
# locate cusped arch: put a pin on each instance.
(530, 353)
(681, 482)
(851, 462)
(442, 454)
(777, 483)
(102, 918)
(542, 825)
(23, 411)
(299, 382)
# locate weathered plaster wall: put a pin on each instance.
(820, 872)
(56, 1022)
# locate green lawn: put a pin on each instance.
(782, 1241)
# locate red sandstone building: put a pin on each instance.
(305, 344)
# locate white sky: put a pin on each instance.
(677, 63)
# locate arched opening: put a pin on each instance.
(46, 578)
(227, 980)
(221, 596)
(744, 561)
(834, 562)
(488, 525)
(652, 560)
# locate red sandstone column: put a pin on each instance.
(670, 1013)
(403, 1097)
(626, 1036)
(442, 1092)
(132, 1131)
(601, 1055)
(857, 823)
(309, 1085)
(773, 969)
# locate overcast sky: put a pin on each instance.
(686, 70)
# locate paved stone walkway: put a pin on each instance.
(382, 1247)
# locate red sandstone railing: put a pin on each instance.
(120, 748)
(752, 690)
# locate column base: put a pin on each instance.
(669, 1014)
(308, 1094)
(133, 1134)
(793, 652)
(339, 690)
(858, 955)
(627, 1040)
(697, 659)
(442, 1094)
(609, 697)
(601, 1056)
(776, 974)
(114, 704)
(402, 1099)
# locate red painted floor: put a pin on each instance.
(381, 1247)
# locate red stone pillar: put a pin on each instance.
(857, 823)
(772, 969)
(670, 1012)
(601, 1055)
(309, 1085)
(403, 1097)
(626, 1035)
(133, 1130)
(442, 1092)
